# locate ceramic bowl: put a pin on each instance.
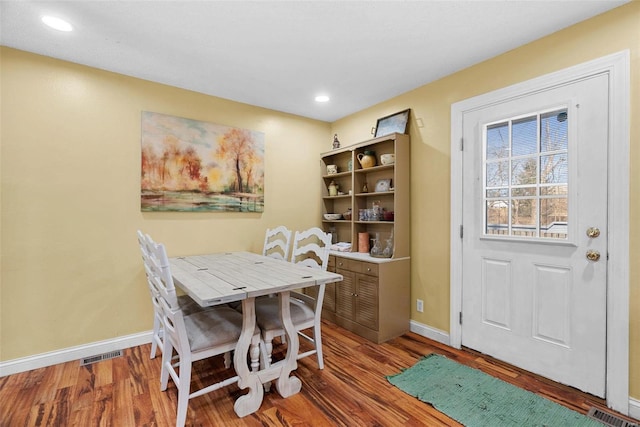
(388, 159)
(332, 216)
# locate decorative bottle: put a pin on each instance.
(376, 250)
(333, 189)
(388, 250)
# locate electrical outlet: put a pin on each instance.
(420, 305)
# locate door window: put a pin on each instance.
(526, 176)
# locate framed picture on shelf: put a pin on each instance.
(396, 122)
(383, 185)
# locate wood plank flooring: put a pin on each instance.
(350, 391)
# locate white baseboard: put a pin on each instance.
(634, 408)
(72, 353)
(429, 332)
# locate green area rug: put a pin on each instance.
(476, 399)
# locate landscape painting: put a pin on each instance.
(194, 166)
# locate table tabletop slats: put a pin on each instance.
(225, 277)
(201, 286)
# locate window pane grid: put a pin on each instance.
(526, 176)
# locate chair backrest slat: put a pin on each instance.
(156, 264)
(164, 280)
(311, 248)
(277, 242)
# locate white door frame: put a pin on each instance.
(617, 67)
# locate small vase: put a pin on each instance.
(333, 189)
(334, 235)
(363, 242)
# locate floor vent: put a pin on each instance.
(609, 419)
(100, 357)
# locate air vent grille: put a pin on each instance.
(609, 419)
(100, 357)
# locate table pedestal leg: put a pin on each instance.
(288, 385)
(250, 402)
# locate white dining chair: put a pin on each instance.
(187, 305)
(277, 242)
(198, 336)
(310, 248)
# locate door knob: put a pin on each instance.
(593, 232)
(593, 255)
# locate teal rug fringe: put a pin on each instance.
(476, 399)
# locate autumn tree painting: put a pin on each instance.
(237, 148)
(189, 165)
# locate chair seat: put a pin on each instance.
(214, 327)
(268, 313)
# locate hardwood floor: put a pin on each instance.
(350, 391)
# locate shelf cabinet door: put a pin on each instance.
(357, 298)
(329, 302)
(345, 294)
(366, 310)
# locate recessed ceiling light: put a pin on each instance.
(57, 23)
(322, 98)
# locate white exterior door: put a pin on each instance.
(534, 245)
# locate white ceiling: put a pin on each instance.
(280, 54)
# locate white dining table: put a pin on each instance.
(221, 278)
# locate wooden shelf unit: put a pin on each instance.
(373, 300)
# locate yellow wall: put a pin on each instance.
(430, 150)
(70, 164)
